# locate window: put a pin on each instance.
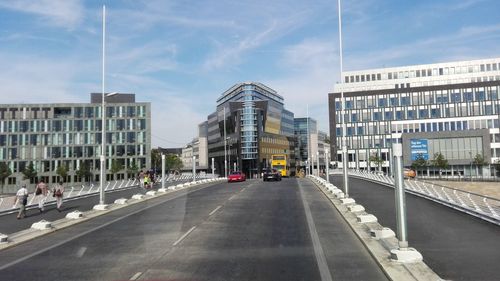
(411, 114)
(455, 97)
(376, 116)
(435, 113)
(381, 102)
(399, 115)
(423, 113)
(389, 115)
(394, 101)
(468, 96)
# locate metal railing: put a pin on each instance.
(484, 207)
(7, 204)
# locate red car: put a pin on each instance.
(236, 176)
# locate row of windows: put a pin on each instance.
(421, 98)
(420, 112)
(71, 125)
(69, 152)
(70, 138)
(382, 128)
(428, 72)
(71, 112)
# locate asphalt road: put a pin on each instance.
(455, 245)
(253, 230)
(9, 224)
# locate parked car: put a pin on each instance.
(236, 176)
(272, 174)
(409, 173)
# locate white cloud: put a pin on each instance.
(64, 13)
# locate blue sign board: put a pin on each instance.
(419, 147)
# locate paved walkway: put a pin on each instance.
(490, 189)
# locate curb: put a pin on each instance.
(26, 235)
(380, 249)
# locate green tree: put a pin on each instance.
(133, 169)
(62, 171)
(116, 167)
(479, 162)
(30, 172)
(439, 162)
(173, 163)
(155, 158)
(5, 172)
(84, 171)
(377, 160)
(419, 163)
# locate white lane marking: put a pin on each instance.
(89, 231)
(216, 209)
(324, 271)
(81, 252)
(184, 236)
(136, 276)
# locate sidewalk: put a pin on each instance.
(490, 189)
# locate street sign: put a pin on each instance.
(419, 147)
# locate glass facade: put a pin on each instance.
(50, 135)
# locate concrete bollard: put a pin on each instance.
(74, 215)
(367, 218)
(346, 201)
(4, 238)
(151, 193)
(42, 225)
(355, 208)
(121, 201)
(340, 195)
(163, 190)
(138, 196)
(407, 255)
(382, 233)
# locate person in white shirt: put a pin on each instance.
(59, 194)
(22, 199)
(41, 192)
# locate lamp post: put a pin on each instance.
(213, 168)
(225, 145)
(317, 162)
(327, 164)
(102, 204)
(229, 154)
(162, 170)
(194, 168)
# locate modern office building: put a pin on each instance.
(449, 108)
(309, 140)
(255, 124)
(50, 135)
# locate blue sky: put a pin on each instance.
(181, 55)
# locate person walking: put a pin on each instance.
(58, 194)
(41, 192)
(22, 200)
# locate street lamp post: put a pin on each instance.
(327, 164)
(317, 162)
(225, 144)
(194, 168)
(162, 170)
(213, 168)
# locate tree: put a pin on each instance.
(84, 171)
(116, 167)
(377, 160)
(155, 158)
(30, 172)
(479, 161)
(62, 171)
(5, 172)
(439, 162)
(173, 163)
(419, 162)
(133, 169)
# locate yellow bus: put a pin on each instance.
(278, 162)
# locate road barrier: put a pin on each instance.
(480, 206)
(7, 203)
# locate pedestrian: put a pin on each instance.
(146, 181)
(41, 192)
(22, 200)
(141, 178)
(58, 193)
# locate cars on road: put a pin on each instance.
(236, 176)
(271, 174)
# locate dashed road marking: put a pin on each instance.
(136, 276)
(184, 236)
(216, 209)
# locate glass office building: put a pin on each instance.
(448, 108)
(257, 126)
(50, 135)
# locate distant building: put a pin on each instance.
(309, 141)
(50, 135)
(449, 108)
(257, 125)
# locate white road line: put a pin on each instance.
(231, 198)
(136, 276)
(2, 267)
(324, 271)
(184, 236)
(216, 209)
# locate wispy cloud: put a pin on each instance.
(63, 13)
